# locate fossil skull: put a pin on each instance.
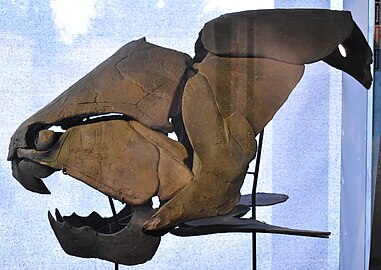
(117, 117)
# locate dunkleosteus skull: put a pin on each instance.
(245, 67)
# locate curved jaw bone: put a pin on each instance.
(29, 172)
(118, 239)
(21, 172)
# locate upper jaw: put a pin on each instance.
(29, 142)
(26, 179)
(30, 153)
(26, 170)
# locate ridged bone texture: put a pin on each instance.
(122, 159)
(238, 97)
(140, 81)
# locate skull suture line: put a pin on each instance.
(245, 67)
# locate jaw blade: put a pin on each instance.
(28, 181)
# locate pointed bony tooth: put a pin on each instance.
(58, 216)
(129, 246)
(54, 223)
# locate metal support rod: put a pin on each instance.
(116, 222)
(253, 197)
(112, 208)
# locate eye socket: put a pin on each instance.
(342, 50)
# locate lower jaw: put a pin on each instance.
(118, 239)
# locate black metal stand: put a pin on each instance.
(253, 197)
(116, 221)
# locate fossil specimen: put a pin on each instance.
(117, 117)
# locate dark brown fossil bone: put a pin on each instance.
(128, 246)
(232, 222)
(297, 36)
(292, 36)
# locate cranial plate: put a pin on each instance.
(140, 81)
(124, 160)
(297, 36)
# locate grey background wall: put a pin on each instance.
(356, 162)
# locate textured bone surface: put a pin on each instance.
(292, 36)
(253, 87)
(128, 246)
(238, 97)
(140, 81)
(124, 160)
(45, 139)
